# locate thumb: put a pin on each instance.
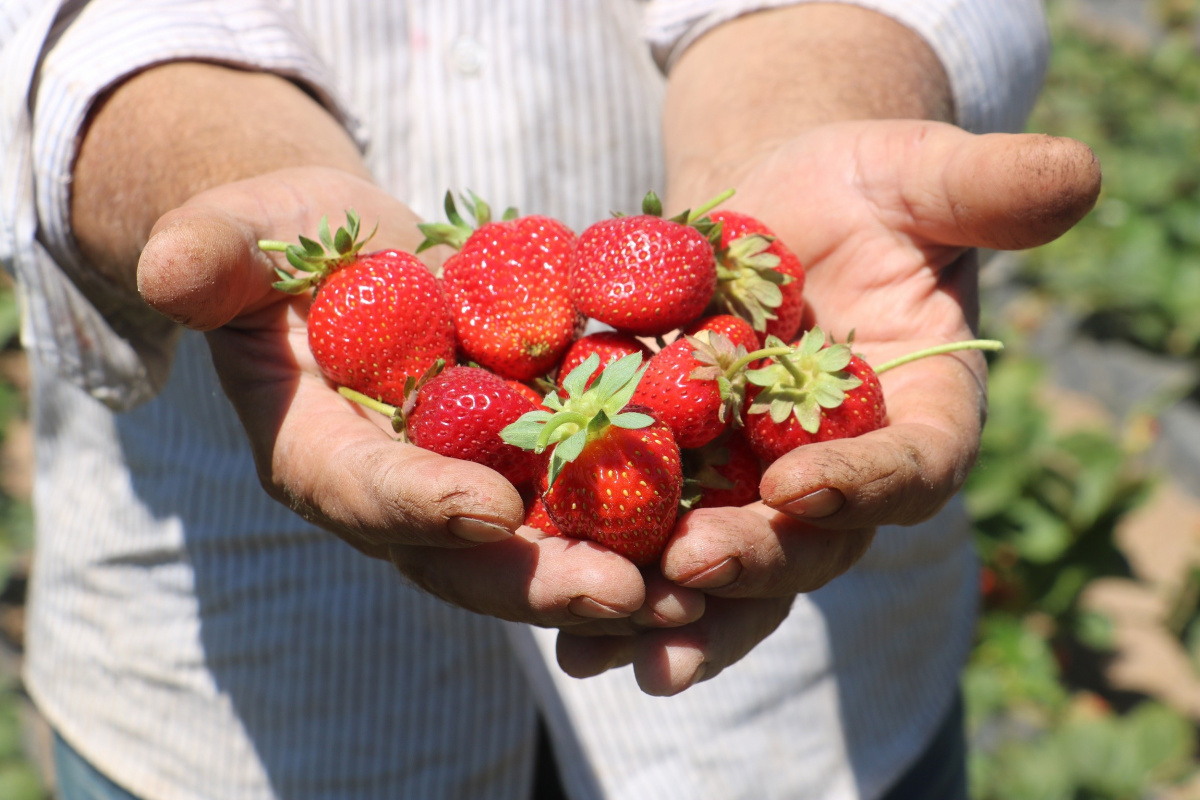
(202, 267)
(999, 191)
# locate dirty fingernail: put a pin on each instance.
(815, 505)
(477, 531)
(591, 609)
(716, 576)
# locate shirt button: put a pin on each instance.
(467, 55)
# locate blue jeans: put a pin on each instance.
(941, 771)
(79, 780)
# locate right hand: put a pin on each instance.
(453, 527)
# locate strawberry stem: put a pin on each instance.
(369, 402)
(750, 358)
(952, 347)
(273, 245)
(697, 213)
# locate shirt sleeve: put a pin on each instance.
(994, 51)
(58, 58)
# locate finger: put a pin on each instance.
(588, 656)
(1000, 191)
(549, 581)
(201, 265)
(754, 552)
(667, 605)
(319, 454)
(667, 662)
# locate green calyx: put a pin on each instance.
(399, 415)
(569, 424)
(809, 377)
(318, 258)
(804, 380)
(456, 232)
(748, 281)
(700, 472)
(697, 218)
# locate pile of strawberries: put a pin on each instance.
(699, 384)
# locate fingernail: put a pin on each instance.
(815, 505)
(591, 609)
(477, 531)
(716, 576)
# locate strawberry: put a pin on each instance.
(459, 413)
(696, 384)
(735, 329)
(724, 472)
(758, 277)
(536, 517)
(644, 275)
(615, 474)
(507, 288)
(818, 392)
(526, 391)
(376, 319)
(608, 345)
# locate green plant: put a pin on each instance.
(1132, 267)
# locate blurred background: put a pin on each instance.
(1084, 683)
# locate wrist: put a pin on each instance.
(748, 87)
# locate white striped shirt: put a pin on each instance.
(194, 639)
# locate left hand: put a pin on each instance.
(883, 214)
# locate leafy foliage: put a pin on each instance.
(1133, 266)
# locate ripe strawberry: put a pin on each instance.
(459, 413)
(819, 392)
(525, 391)
(724, 472)
(608, 345)
(758, 277)
(644, 275)
(376, 318)
(615, 476)
(735, 329)
(696, 384)
(507, 288)
(536, 517)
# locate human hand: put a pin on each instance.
(451, 526)
(882, 215)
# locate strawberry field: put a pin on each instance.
(1084, 683)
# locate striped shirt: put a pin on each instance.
(193, 639)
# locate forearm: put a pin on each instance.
(178, 129)
(759, 80)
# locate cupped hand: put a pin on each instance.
(451, 526)
(884, 215)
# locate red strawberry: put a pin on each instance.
(643, 275)
(819, 392)
(376, 319)
(525, 391)
(459, 413)
(608, 345)
(536, 517)
(615, 476)
(507, 288)
(723, 473)
(759, 278)
(696, 384)
(735, 329)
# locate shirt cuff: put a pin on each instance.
(108, 41)
(994, 51)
